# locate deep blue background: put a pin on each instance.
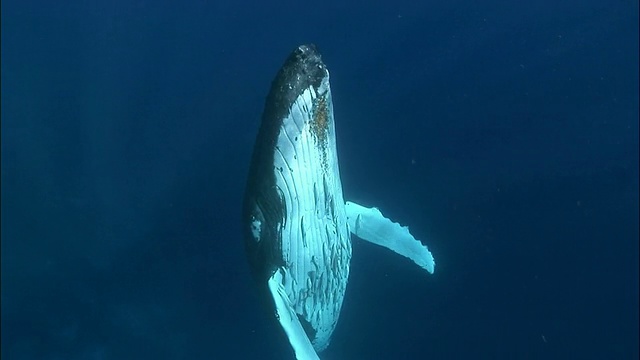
(504, 133)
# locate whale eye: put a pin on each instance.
(256, 228)
(257, 220)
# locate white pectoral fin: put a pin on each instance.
(369, 224)
(289, 320)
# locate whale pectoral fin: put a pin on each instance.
(369, 224)
(289, 320)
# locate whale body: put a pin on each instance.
(297, 226)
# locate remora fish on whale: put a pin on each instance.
(297, 226)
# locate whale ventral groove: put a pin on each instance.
(302, 69)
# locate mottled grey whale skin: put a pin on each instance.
(297, 226)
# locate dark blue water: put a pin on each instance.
(505, 134)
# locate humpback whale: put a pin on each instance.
(297, 226)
